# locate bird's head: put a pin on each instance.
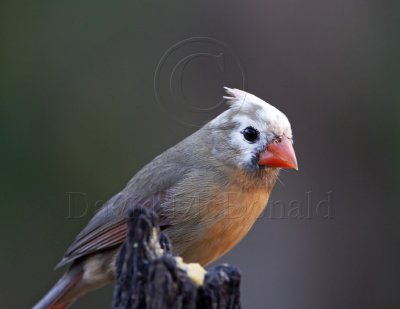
(252, 134)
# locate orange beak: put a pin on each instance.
(279, 153)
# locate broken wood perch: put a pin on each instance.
(150, 276)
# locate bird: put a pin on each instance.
(207, 190)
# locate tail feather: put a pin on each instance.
(52, 299)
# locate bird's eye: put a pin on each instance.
(250, 134)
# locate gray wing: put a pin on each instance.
(148, 188)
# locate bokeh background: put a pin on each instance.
(78, 113)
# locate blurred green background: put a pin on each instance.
(78, 114)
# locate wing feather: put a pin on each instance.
(108, 228)
(148, 188)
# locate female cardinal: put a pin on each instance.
(208, 190)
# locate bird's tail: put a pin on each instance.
(55, 298)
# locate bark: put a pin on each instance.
(148, 277)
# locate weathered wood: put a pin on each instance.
(148, 275)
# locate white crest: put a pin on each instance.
(249, 106)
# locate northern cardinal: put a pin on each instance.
(207, 190)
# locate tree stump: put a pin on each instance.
(150, 276)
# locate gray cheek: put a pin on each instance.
(252, 164)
